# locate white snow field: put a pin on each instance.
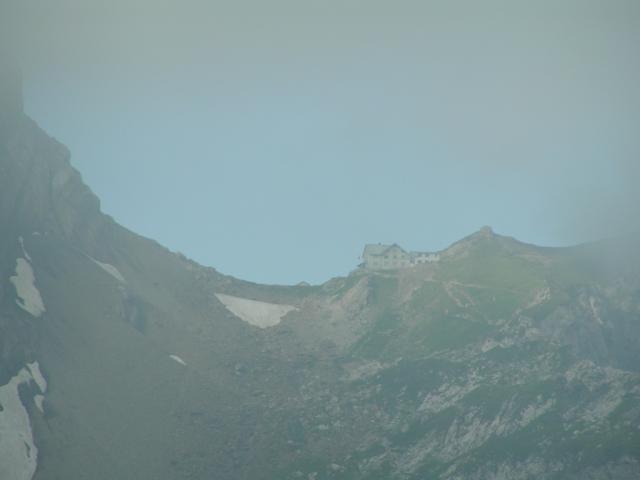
(259, 314)
(178, 359)
(18, 453)
(39, 401)
(37, 376)
(110, 269)
(24, 250)
(29, 298)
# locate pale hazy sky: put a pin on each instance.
(271, 140)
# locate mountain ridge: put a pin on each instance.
(501, 361)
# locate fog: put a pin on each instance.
(273, 139)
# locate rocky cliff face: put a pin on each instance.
(121, 359)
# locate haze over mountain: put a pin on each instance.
(414, 122)
(498, 360)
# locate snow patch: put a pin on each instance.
(37, 376)
(24, 250)
(39, 401)
(110, 269)
(178, 359)
(18, 453)
(258, 314)
(29, 298)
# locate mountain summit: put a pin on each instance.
(121, 359)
